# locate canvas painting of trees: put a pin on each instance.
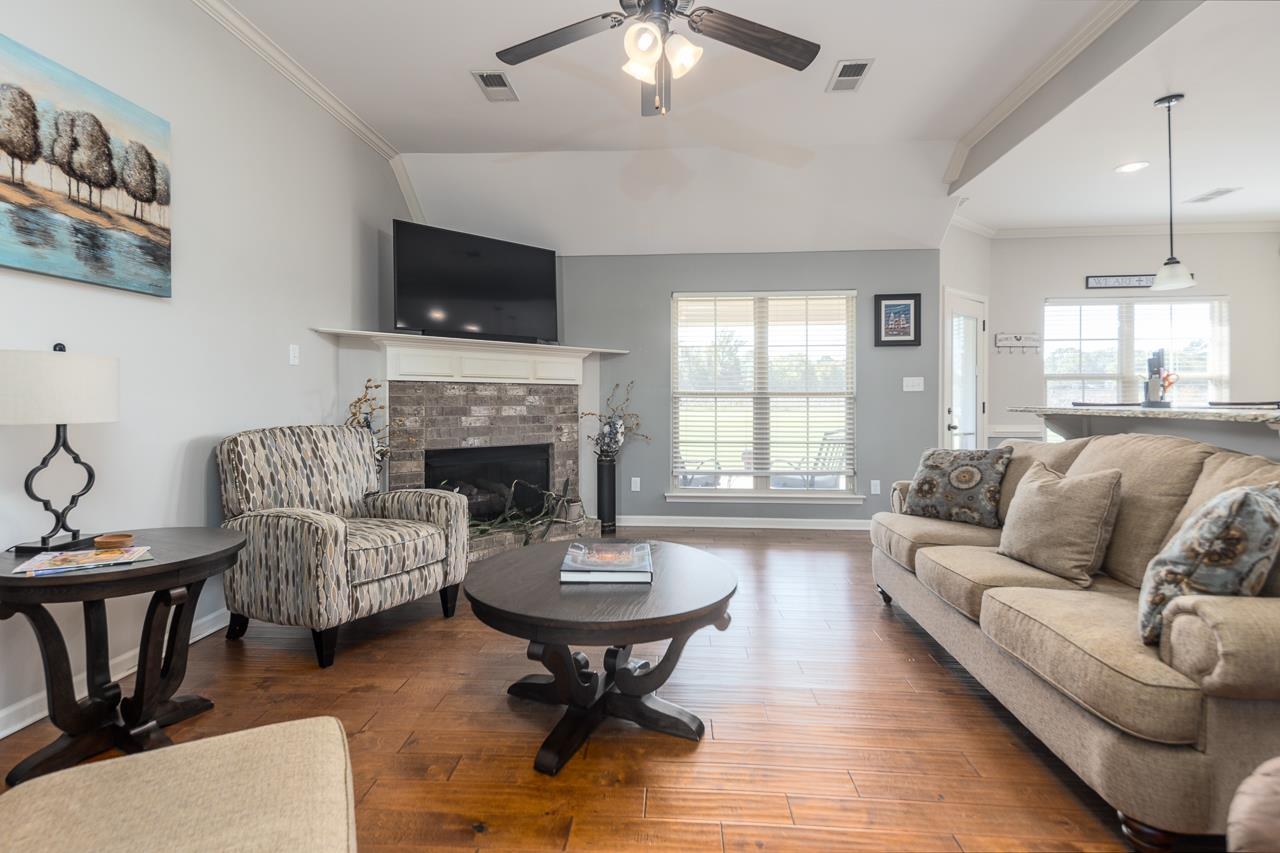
(84, 178)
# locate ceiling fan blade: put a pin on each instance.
(791, 51)
(559, 38)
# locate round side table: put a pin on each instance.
(184, 558)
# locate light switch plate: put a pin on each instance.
(635, 484)
(295, 355)
(875, 487)
(913, 383)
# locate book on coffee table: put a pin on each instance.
(607, 562)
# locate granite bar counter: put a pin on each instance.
(1247, 430)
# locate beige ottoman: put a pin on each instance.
(275, 788)
(1253, 821)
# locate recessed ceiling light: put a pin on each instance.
(1136, 166)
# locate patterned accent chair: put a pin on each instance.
(324, 546)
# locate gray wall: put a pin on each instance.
(625, 302)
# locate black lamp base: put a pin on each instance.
(65, 542)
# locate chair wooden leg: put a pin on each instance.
(449, 599)
(1145, 839)
(326, 642)
(239, 624)
(884, 596)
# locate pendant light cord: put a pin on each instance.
(1168, 109)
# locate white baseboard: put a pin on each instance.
(740, 523)
(24, 712)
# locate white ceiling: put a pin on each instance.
(402, 66)
(1226, 134)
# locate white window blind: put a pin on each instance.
(1096, 350)
(763, 392)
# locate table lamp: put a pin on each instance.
(58, 388)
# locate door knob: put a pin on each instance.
(952, 427)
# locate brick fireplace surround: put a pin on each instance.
(447, 415)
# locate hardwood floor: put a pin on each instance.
(833, 723)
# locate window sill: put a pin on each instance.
(727, 497)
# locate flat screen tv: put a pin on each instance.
(465, 286)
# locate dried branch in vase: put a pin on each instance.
(363, 412)
(615, 423)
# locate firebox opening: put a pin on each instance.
(487, 476)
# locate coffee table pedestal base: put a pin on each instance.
(624, 690)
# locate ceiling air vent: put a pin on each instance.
(1213, 194)
(849, 75)
(495, 85)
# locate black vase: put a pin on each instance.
(607, 493)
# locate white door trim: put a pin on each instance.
(949, 295)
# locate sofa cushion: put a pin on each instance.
(900, 536)
(382, 547)
(1082, 641)
(1157, 474)
(1060, 524)
(960, 574)
(959, 485)
(1228, 547)
(1056, 456)
(1225, 470)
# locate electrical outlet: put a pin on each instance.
(635, 484)
(875, 487)
(295, 355)
(913, 383)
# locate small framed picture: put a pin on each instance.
(897, 319)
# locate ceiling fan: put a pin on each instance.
(656, 55)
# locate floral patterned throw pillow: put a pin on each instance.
(959, 485)
(1228, 547)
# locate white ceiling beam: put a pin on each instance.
(1115, 35)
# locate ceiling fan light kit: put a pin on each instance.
(1173, 275)
(656, 55)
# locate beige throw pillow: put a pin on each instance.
(1061, 524)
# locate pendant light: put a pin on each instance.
(1173, 275)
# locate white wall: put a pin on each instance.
(280, 221)
(1025, 272)
(965, 261)
(693, 200)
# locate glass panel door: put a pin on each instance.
(963, 387)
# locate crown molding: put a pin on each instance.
(973, 227)
(1073, 47)
(411, 199)
(1157, 230)
(258, 41)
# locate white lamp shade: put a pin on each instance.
(58, 388)
(682, 54)
(1173, 276)
(640, 71)
(643, 43)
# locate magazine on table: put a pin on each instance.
(59, 562)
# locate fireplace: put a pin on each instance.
(491, 476)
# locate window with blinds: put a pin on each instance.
(763, 393)
(1096, 351)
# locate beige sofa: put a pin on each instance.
(1162, 734)
(283, 787)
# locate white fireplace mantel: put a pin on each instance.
(426, 358)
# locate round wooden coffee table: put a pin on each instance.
(519, 593)
(184, 558)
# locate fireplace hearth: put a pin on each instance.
(492, 478)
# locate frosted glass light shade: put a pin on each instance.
(1173, 276)
(682, 54)
(643, 43)
(643, 73)
(58, 388)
